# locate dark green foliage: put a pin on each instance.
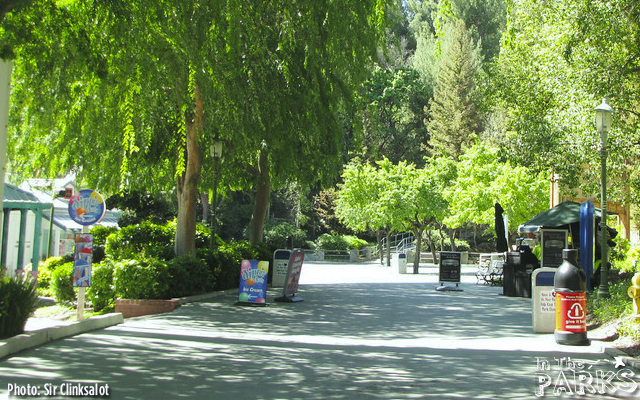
(138, 207)
(100, 234)
(189, 276)
(281, 235)
(224, 262)
(456, 107)
(143, 240)
(234, 214)
(18, 299)
(62, 283)
(141, 279)
(101, 293)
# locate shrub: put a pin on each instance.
(188, 275)
(45, 271)
(141, 279)
(100, 234)
(277, 234)
(101, 293)
(18, 300)
(341, 242)
(62, 283)
(462, 245)
(355, 243)
(224, 262)
(632, 257)
(617, 305)
(143, 240)
(330, 242)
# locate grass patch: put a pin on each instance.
(61, 313)
(619, 307)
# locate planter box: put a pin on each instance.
(136, 308)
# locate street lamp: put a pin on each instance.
(216, 153)
(603, 123)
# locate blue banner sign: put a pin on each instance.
(83, 260)
(253, 282)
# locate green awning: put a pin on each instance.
(565, 213)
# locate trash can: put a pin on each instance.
(509, 274)
(517, 272)
(402, 263)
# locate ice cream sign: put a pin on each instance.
(86, 207)
(253, 282)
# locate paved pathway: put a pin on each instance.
(362, 332)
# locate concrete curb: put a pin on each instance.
(628, 360)
(38, 337)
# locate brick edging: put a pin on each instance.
(136, 308)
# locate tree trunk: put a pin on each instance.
(416, 262)
(452, 237)
(388, 247)
(185, 243)
(263, 194)
(432, 246)
(380, 249)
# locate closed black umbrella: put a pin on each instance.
(501, 240)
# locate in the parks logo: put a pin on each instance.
(564, 376)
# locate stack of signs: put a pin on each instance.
(83, 260)
(293, 278)
(253, 283)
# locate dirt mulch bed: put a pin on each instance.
(608, 333)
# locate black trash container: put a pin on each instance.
(517, 272)
(509, 274)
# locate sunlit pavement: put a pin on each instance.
(363, 331)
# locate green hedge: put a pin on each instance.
(101, 293)
(140, 265)
(62, 283)
(18, 300)
(138, 241)
(141, 279)
(189, 276)
(341, 242)
(45, 272)
(276, 235)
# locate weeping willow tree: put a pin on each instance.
(133, 93)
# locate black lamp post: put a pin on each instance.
(603, 123)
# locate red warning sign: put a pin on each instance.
(571, 312)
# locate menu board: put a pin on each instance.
(450, 266)
(552, 242)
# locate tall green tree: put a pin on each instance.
(422, 203)
(358, 202)
(483, 179)
(456, 109)
(133, 93)
(393, 119)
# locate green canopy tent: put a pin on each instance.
(562, 216)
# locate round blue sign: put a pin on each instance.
(86, 207)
